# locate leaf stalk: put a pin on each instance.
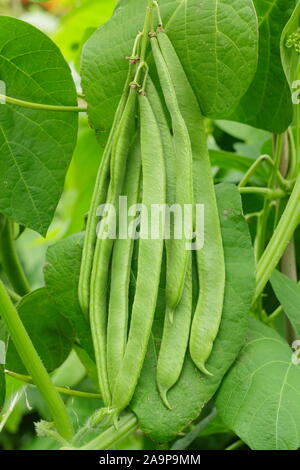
(41, 107)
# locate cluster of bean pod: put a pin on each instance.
(156, 154)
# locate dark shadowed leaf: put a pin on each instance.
(267, 104)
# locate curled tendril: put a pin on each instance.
(294, 41)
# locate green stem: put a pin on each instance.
(13, 295)
(146, 29)
(288, 266)
(160, 21)
(145, 78)
(277, 159)
(271, 318)
(235, 445)
(11, 262)
(280, 239)
(262, 225)
(283, 183)
(34, 365)
(252, 215)
(260, 240)
(284, 167)
(142, 41)
(293, 155)
(297, 143)
(42, 107)
(136, 45)
(109, 438)
(270, 193)
(65, 391)
(253, 168)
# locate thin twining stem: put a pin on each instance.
(64, 390)
(42, 107)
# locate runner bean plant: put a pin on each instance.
(172, 290)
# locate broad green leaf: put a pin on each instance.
(217, 44)
(51, 333)
(287, 292)
(194, 389)
(289, 56)
(267, 104)
(215, 40)
(259, 398)
(35, 145)
(61, 276)
(72, 27)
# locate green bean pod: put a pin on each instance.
(169, 155)
(184, 181)
(98, 198)
(176, 334)
(175, 341)
(166, 137)
(104, 246)
(120, 272)
(210, 259)
(149, 260)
